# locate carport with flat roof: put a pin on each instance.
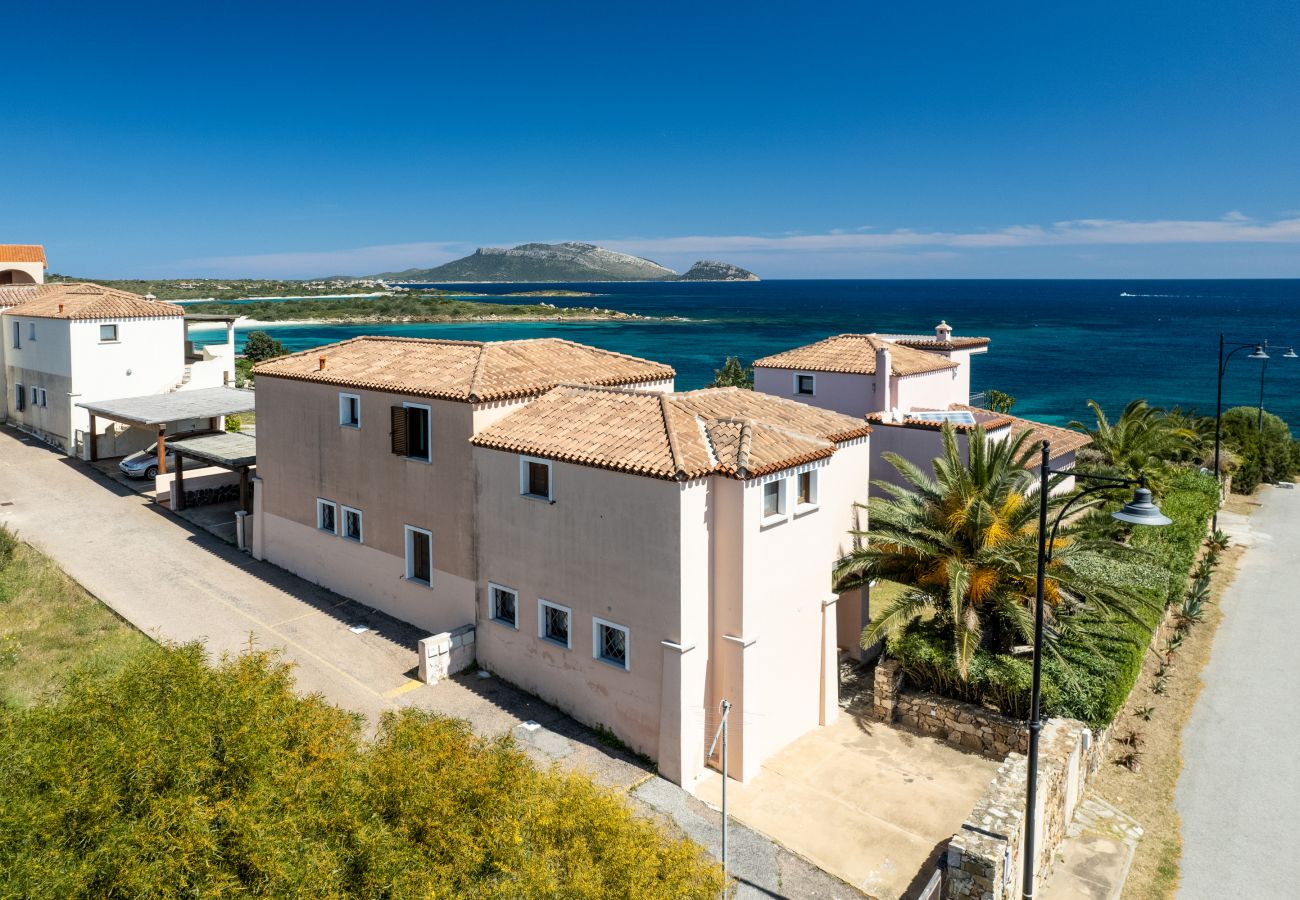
(155, 411)
(230, 450)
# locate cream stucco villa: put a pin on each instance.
(68, 343)
(632, 554)
(908, 386)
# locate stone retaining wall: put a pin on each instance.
(985, 857)
(964, 725)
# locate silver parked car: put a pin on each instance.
(144, 463)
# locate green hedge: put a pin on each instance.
(1097, 660)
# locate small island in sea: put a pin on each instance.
(571, 261)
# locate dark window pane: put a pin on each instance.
(504, 602)
(417, 433)
(420, 562)
(539, 479)
(613, 645)
(557, 624)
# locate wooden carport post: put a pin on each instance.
(94, 439)
(162, 450)
(180, 482)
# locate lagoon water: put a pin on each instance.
(1055, 344)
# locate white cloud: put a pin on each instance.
(1233, 228)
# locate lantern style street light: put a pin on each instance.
(1141, 510)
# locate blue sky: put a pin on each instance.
(800, 140)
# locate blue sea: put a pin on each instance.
(1055, 344)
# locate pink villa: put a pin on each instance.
(631, 554)
(908, 386)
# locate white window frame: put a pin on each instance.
(36, 396)
(321, 503)
(45, 397)
(524, 463)
(493, 587)
(31, 331)
(541, 623)
(799, 506)
(428, 442)
(409, 545)
(343, 525)
(799, 393)
(780, 516)
(597, 624)
(111, 340)
(343, 406)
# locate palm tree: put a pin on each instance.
(964, 544)
(1143, 439)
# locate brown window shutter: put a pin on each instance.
(398, 433)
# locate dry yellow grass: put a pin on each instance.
(49, 623)
(1148, 793)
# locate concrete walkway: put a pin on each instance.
(176, 582)
(1239, 793)
(1092, 862)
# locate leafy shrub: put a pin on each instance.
(8, 546)
(1091, 668)
(1270, 455)
(175, 778)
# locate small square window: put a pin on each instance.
(503, 605)
(774, 499)
(609, 643)
(419, 555)
(805, 384)
(350, 410)
(327, 516)
(535, 478)
(806, 490)
(553, 623)
(352, 524)
(107, 334)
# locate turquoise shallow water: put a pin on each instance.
(1056, 344)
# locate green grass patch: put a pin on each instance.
(49, 624)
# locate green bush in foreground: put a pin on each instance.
(1267, 455)
(176, 778)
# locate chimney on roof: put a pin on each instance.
(880, 384)
(60, 309)
(322, 363)
(943, 332)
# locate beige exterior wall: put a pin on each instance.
(608, 546)
(305, 454)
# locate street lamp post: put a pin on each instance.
(1138, 511)
(1289, 354)
(1260, 353)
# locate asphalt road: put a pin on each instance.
(1239, 793)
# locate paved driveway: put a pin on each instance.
(1239, 793)
(862, 800)
(176, 582)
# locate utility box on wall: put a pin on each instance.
(446, 653)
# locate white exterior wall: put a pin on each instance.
(34, 272)
(44, 362)
(931, 390)
(147, 358)
(853, 395)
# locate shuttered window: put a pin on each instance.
(399, 430)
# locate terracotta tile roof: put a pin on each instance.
(669, 436)
(855, 354)
(736, 403)
(13, 294)
(470, 371)
(22, 253)
(921, 342)
(75, 300)
(1063, 440)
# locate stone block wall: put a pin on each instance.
(985, 856)
(961, 724)
(446, 653)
